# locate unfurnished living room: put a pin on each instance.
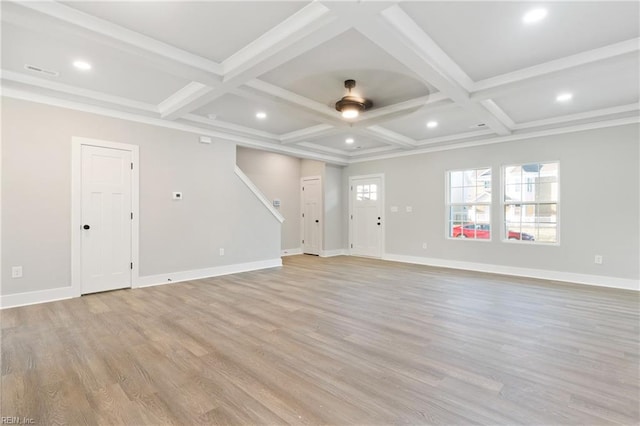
(320, 212)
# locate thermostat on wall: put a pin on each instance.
(177, 195)
(276, 203)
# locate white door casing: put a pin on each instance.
(312, 221)
(104, 216)
(366, 221)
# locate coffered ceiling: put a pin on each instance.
(267, 74)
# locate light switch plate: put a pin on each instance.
(177, 195)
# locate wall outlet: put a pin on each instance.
(598, 259)
(16, 272)
(221, 252)
(409, 209)
(424, 245)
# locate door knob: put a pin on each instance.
(86, 227)
(378, 223)
(317, 221)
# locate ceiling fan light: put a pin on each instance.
(350, 105)
(350, 112)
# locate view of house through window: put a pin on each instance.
(469, 203)
(531, 202)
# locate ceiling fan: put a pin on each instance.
(350, 105)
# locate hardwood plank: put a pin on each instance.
(320, 341)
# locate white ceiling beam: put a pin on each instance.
(327, 29)
(15, 77)
(388, 136)
(124, 35)
(300, 24)
(496, 86)
(617, 110)
(436, 101)
(303, 134)
(396, 33)
(230, 127)
(499, 113)
(182, 97)
(295, 99)
(456, 137)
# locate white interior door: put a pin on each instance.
(311, 215)
(366, 226)
(106, 252)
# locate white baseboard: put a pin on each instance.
(595, 280)
(331, 253)
(34, 297)
(291, 252)
(176, 277)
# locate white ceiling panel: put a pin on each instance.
(450, 121)
(319, 74)
(212, 29)
(238, 110)
(596, 86)
(489, 38)
(113, 71)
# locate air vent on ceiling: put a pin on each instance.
(478, 126)
(41, 70)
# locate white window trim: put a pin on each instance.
(447, 195)
(503, 234)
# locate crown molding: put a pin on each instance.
(159, 122)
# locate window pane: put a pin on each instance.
(455, 179)
(469, 194)
(459, 214)
(547, 232)
(512, 193)
(546, 191)
(373, 187)
(512, 175)
(457, 195)
(374, 196)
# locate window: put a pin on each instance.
(367, 192)
(469, 204)
(531, 202)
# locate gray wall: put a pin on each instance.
(599, 202)
(277, 176)
(218, 210)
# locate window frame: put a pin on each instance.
(448, 205)
(503, 183)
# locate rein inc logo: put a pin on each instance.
(15, 420)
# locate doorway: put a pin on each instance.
(105, 219)
(366, 221)
(311, 196)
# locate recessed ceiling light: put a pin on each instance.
(82, 65)
(535, 15)
(564, 97)
(432, 124)
(261, 115)
(349, 140)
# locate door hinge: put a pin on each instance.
(351, 217)
(131, 215)
(131, 265)
(352, 188)
(302, 241)
(131, 166)
(351, 245)
(303, 188)
(302, 214)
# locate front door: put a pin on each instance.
(365, 223)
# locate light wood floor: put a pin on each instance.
(328, 341)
